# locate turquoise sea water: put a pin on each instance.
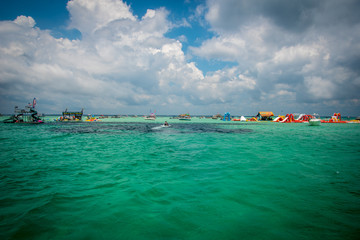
(205, 179)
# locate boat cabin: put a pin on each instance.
(72, 116)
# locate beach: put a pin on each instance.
(129, 178)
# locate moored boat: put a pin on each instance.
(314, 120)
(71, 116)
(185, 117)
(152, 116)
(26, 115)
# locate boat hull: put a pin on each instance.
(314, 122)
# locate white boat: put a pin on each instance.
(150, 117)
(315, 121)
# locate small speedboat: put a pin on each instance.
(314, 122)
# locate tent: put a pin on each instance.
(264, 116)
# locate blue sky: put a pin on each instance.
(196, 56)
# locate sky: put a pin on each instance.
(200, 57)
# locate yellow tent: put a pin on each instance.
(265, 115)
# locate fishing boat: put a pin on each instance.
(26, 115)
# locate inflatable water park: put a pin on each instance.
(311, 119)
(290, 118)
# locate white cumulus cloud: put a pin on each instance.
(122, 63)
(299, 54)
(284, 56)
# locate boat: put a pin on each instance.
(217, 116)
(71, 116)
(152, 116)
(26, 115)
(185, 117)
(314, 121)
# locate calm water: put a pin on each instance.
(203, 179)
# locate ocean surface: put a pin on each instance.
(129, 178)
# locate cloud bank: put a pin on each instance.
(303, 55)
(297, 56)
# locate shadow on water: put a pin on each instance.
(130, 128)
